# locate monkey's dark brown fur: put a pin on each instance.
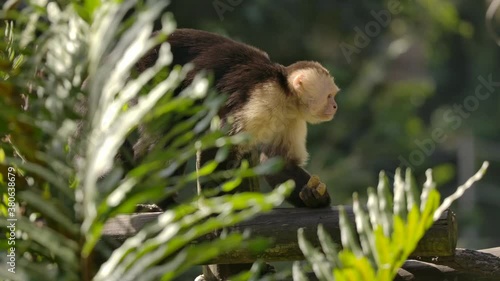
(269, 101)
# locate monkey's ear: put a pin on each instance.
(297, 82)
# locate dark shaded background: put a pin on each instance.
(409, 73)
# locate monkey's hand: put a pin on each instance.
(314, 194)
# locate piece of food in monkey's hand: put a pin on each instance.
(314, 193)
(321, 189)
(311, 198)
(315, 183)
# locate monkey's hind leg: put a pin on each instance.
(222, 272)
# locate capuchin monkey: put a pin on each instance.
(270, 102)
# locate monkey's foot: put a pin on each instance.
(315, 194)
(147, 208)
(200, 278)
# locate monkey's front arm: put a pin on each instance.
(314, 195)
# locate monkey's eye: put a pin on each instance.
(330, 96)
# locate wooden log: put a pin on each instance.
(281, 225)
(467, 265)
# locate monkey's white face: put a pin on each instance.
(317, 92)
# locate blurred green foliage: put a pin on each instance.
(389, 229)
(68, 103)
